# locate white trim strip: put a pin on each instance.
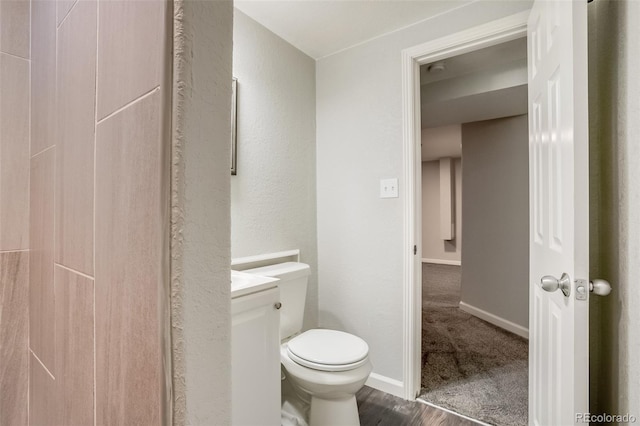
(495, 320)
(386, 384)
(442, 261)
(430, 404)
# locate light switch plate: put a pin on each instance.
(389, 188)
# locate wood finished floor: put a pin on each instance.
(379, 408)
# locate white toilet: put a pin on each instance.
(325, 368)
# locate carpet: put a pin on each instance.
(469, 366)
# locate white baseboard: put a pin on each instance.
(386, 384)
(495, 320)
(442, 261)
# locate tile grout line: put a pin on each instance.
(95, 163)
(43, 151)
(15, 56)
(29, 201)
(65, 16)
(42, 364)
(66, 268)
(122, 108)
(30, 207)
(14, 251)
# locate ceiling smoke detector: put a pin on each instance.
(436, 67)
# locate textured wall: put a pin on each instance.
(359, 141)
(273, 196)
(434, 247)
(614, 102)
(200, 220)
(14, 210)
(495, 249)
(99, 191)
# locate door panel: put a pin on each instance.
(558, 184)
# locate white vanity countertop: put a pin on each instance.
(243, 283)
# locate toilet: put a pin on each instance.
(324, 368)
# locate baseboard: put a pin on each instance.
(442, 261)
(495, 320)
(386, 384)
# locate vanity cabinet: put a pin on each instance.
(255, 358)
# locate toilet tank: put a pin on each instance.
(293, 278)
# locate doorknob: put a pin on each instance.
(600, 287)
(550, 283)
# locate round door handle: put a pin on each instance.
(600, 287)
(550, 283)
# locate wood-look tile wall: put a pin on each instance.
(92, 173)
(14, 210)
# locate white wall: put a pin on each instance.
(273, 195)
(359, 141)
(495, 249)
(435, 248)
(200, 241)
(614, 103)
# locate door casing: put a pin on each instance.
(490, 34)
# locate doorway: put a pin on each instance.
(492, 34)
(474, 358)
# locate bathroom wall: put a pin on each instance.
(14, 210)
(495, 249)
(434, 248)
(614, 118)
(99, 217)
(273, 195)
(200, 218)
(359, 142)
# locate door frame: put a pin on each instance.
(492, 33)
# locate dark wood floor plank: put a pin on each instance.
(379, 408)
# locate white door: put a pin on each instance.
(559, 212)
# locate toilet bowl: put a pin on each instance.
(324, 367)
(330, 382)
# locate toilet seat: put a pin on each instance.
(328, 350)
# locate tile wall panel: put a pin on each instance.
(44, 401)
(43, 75)
(42, 295)
(14, 352)
(128, 346)
(131, 48)
(74, 346)
(14, 153)
(76, 79)
(14, 27)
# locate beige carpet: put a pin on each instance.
(468, 365)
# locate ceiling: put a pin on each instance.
(321, 28)
(484, 84)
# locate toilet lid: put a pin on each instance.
(328, 350)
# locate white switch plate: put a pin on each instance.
(389, 188)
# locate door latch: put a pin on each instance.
(596, 286)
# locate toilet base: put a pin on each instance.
(334, 412)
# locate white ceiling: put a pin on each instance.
(321, 28)
(480, 85)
